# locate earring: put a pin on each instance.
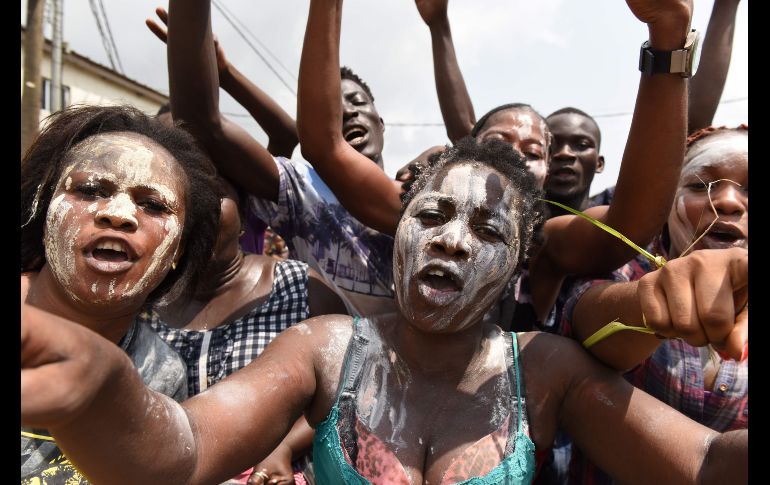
(173, 265)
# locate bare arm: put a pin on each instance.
(359, 184)
(708, 83)
(625, 431)
(280, 128)
(453, 97)
(608, 419)
(648, 176)
(699, 298)
(115, 430)
(194, 85)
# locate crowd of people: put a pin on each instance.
(185, 316)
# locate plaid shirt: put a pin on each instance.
(672, 374)
(229, 347)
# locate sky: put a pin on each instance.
(547, 53)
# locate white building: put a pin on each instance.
(87, 82)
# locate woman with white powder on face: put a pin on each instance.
(710, 215)
(107, 216)
(416, 396)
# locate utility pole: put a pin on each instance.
(32, 91)
(56, 53)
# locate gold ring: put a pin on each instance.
(264, 475)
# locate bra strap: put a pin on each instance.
(354, 359)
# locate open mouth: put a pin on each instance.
(355, 135)
(439, 286)
(110, 251)
(562, 173)
(110, 256)
(440, 281)
(724, 235)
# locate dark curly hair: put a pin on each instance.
(43, 163)
(571, 110)
(347, 73)
(503, 158)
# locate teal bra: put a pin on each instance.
(330, 466)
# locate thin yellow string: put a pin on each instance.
(658, 261)
(38, 436)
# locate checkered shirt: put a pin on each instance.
(229, 347)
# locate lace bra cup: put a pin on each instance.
(332, 463)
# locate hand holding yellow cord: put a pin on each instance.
(701, 298)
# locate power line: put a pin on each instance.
(105, 42)
(262, 44)
(110, 37)
(230, 21)
(441, 125)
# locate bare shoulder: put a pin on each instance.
(553, 355)
(324, 328)
(326, 337)
(549, 366)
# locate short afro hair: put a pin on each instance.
(570, 110)
(48, 156)
(347, 73)
(500, 156)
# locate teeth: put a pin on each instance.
(111, 245)
(436, 272)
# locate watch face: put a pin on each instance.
(694, 57)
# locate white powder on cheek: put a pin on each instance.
(539, 170)
(60, 242)
(405, 262)
(680, 230)
(93, 288)
(160, 258)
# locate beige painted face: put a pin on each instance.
(456, 247)
(114, 224)
(722, 160)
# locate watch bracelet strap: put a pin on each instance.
(660, 60)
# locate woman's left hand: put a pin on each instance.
(276, 467)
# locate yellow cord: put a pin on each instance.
(38, 436)
(613, 327)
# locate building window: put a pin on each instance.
(45, 102)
